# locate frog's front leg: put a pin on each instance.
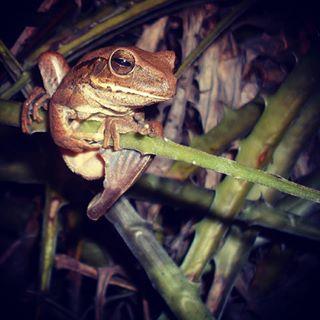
(38, 98)
(64, 123)
(114, 126)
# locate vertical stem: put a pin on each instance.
(181, 295)
(49, 237)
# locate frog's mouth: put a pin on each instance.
(120, 89)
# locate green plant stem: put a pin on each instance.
(10, 116)
(255, 151)
(198, 200)
(171, 150)
(290, 147)
(228, 264)
(233, 255)
(181, 296)
(271, 218)
(175, 193)
(224, 24)
(22, 81)
(16, 72)
(10, 62)
(183, 195)
(49, 237)
(284, 157)
(235, 123)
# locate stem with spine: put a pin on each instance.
(234, 124)
(254, 152)
(228, 265)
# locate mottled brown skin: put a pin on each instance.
(92, 89)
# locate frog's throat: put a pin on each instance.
(116, 88)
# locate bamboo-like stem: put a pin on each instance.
(185, 195)
(271, 218)
(290, 147)
(10, 62)
(255, 151)
(49, 237)
(181, 295)
(233, 255)
(16, 72)
(188, 196)
(283, 159)
(228, 264)
(16, 87)
(234, 124)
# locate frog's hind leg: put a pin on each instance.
(63, 131)
(121, 169)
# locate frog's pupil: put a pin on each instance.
(122, 62)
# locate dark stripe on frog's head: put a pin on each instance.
(96, 65)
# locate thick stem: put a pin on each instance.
(181, 295)
(284, 158)
(255, 151)
(49, 237)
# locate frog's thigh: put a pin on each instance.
(60, 117)
(88, 164)
(63, 125)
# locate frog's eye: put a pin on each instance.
(122, 62)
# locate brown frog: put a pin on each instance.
(109, 85)
(112, 83)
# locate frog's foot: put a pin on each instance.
(69, 139)
(156, 129)
(30, 109)
(77, 145)
(115, 126)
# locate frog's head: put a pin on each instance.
(130, 76)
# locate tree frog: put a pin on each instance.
(112, 83)
(109, 85)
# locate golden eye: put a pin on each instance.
(122, 62)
